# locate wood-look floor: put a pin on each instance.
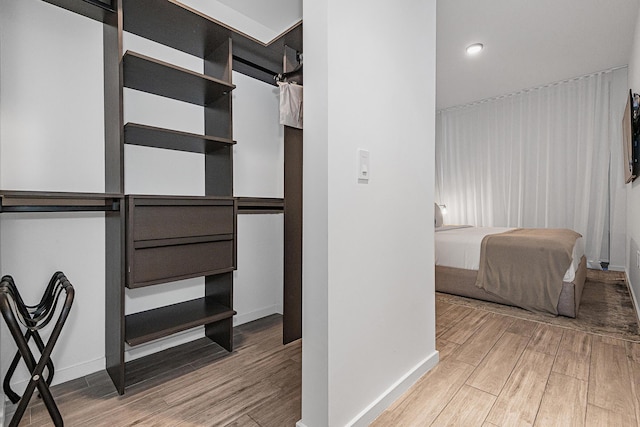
(198, 384)
(495, 370)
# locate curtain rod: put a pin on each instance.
(522, 91)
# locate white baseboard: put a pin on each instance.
(240, 319)
(634, 298)
(63, 375)
(67, 374)
(617, 268)
(377, 407)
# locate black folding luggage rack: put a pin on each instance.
(34, 318)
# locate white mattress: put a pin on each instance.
(459, 247)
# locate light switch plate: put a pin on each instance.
(364, 171)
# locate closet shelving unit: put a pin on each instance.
(136, 225)
(175, 248)
(171, 238)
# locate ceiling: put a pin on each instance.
(528, 43)
(263, 20)
(278, 15)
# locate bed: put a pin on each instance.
(526, 281)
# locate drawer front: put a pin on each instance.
(167, 263)
(167, 222)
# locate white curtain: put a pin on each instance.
(538, 158)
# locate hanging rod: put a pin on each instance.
(281, 76)
(254, 65)
(34, 201)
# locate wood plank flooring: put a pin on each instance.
(494, 371)
(499, 371)
(197, 384)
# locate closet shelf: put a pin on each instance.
(150, 136)
(133, 284)
(99, 10)
(161, 322)
(39, 201)
(157, 243)
(260, 205)
(164, 22)
(161, 78)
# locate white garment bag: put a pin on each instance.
(290, 104)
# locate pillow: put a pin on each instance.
(437, 216)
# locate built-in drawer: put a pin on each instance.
(163, 263)
(168, 222)
(174, 238)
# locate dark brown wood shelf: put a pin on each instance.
(161, 78)
(150, 136)
(165, 22)
(260, 205)
(156, 243)
(98, 10)
(161, 322)
(40, 201)
(143, 284)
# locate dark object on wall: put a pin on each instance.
(631, 138)
(34, 318)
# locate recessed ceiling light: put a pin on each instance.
(474, 48)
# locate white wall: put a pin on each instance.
(258, 170)
(633, 190)
(617, 187)
(259, 152)
(315, 229)
(369, 318)
(2, 396)
(53, 128)
(51, 138)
